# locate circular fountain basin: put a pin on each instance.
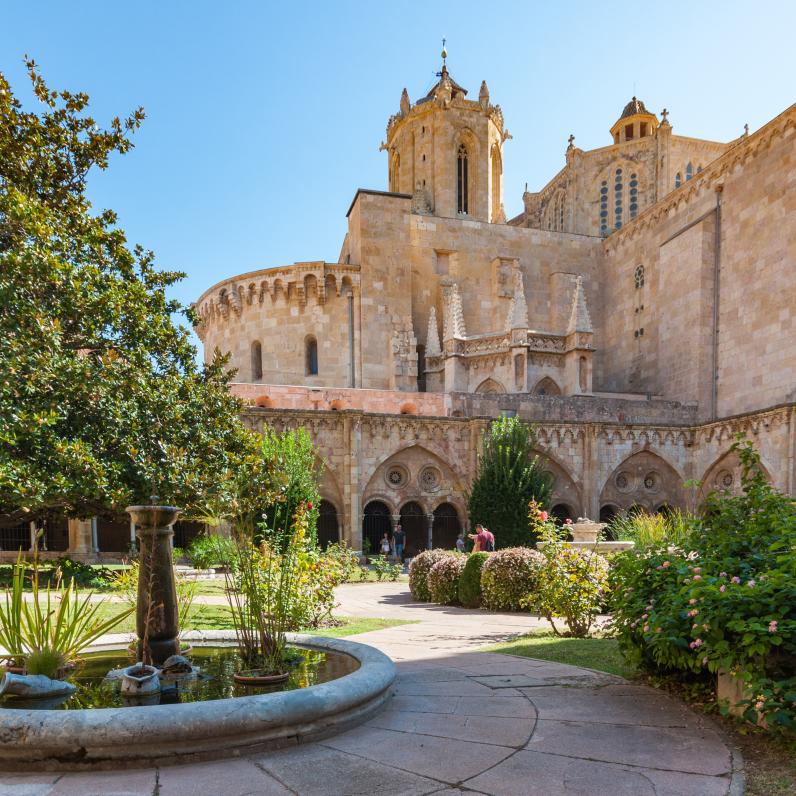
(63, 740)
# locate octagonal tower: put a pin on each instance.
(447, 152)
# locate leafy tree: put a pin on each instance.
(291, 457)
(509, 476)
(102, 403)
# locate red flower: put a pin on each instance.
(543, 516)
(309, 506)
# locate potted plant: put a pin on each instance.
(262, 589)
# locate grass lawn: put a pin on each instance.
(217, 617)
(769, 760)
(594, 653)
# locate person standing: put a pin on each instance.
(399, 539)
(460, 543)
(384, 546)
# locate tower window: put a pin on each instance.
(311, 356)
(638, 277)
(628, 132)
(604, 207)
(689, 172)
(618, 199)
(678, 180)
(633, 195)
(462, 205)
(257, 360)
(643, 129)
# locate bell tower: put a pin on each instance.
(447, 151)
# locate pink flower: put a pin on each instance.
(705, 661)
(693, 612)
(735, 579)
(697, 570)
(543, 516)
(696, 643)
(760, 705)
(722, 587)
(567, 521)
(722, 574)
(751, 582)
(772, 626)
(646, 628)
(692, 601)
(697, 577)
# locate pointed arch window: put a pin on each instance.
(257, 360)
(497, 172)
(689, 172)
(395, 169)
(311, 356)
(462, 203)
(678, 180)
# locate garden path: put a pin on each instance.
(460, 721)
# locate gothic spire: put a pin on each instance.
(579, 320)
(453, 317)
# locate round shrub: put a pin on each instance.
(443, 579)
(470, 580)
(418, 572)
(508, 576)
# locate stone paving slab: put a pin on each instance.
(696, 751)
(536, 774)
(233, 778)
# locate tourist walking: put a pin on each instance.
(384, 546)
(398, 540)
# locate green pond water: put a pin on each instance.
(217, 665)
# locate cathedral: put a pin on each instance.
(639, 312)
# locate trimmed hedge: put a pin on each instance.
(470, 580)
(419, 568)
(443, 579)
(509, 576)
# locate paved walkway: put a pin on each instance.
(460, 722)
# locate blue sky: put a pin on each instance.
(264, 118)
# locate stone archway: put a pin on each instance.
(415, 525)
(565, 491)
(376, 521)
(724, 475)
(447, 526)
(490, 387)
(644, 480)
(328, 524)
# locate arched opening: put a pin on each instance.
(185, 532)
(497, 172)
(375, 523)
(257, 361)
(415, 526)
(642, 481)
(689, 172)
(562, 512)
(446, 526)
(665, 509)
(14, 535)
(462, 176)
(113, 534)
(678, 180)
(490, 387)
(328, 526)
(546, 387)
(421, 368)
(608, 512)
(311, 356)
(395, 170)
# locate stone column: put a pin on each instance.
(157, 613)
(430, 540)
(81, 538)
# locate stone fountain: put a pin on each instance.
(157, 612)
(585, 535)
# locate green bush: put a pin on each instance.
(419, 568)
(470, 580)
(573, 585)
(345, 559)
(509, 475)
(726, 601)
(208, 550)
(443, 579)
(646, 529)
(508, 576)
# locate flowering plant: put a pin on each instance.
(419, 568)
(443, 579)
(729, 604)
(573, 584)
(508, 576)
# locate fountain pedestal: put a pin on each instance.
(157, 612)
(585, 535)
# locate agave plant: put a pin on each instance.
(50, 629)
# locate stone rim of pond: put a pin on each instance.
(56, 740)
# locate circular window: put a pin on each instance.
(624, 482)
(430, 478)
(396, 476)
(724, 479)
(651, 481)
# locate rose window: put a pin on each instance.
(429, 479)
(396, 476)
